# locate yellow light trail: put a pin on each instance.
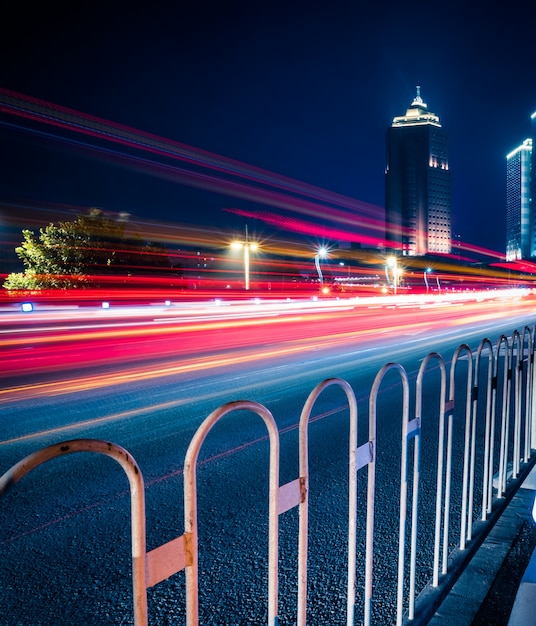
(289, 343)
(287, 347)
(141, 374)
(138, 374)
(133, 375)
(146, 331)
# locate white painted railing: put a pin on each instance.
(499, 389)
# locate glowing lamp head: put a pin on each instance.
(322, 252)
(238, 245)
(26, 307)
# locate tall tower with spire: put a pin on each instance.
(417, 183)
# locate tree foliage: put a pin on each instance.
(81, 252)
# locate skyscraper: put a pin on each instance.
(417, 183)
(519, 225)
(532, 201)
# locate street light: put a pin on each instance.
(426, 271)
(392, 262)
(321, 253)
(387, 274)
(247, 246)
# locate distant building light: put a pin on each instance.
(26, 307)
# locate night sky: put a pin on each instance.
(305, 90)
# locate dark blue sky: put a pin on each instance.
(302, 89)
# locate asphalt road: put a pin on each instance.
(146, 383)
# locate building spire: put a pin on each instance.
(417, 113)
(418, 100)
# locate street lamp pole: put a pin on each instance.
(426, 271)
(387, 275)
(246, 261)
(247, 246)
(391, 261)
(321, 254)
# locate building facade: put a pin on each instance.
(532, 201)
(519, 225)
(417, 183)
(521, 199)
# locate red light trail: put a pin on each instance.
(180, 340)
(67, 119)
(351, 220)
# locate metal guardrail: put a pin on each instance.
(137, 501)
(505, 398)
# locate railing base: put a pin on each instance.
(462, 591)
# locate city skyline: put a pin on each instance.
(301, 91)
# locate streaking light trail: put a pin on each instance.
(330, 215)
(189, 340)
(37, 110)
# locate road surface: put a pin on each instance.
(145, 379)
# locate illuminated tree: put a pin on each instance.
(81, 252)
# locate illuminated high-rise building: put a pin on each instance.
(519, 223)
(417, 183)
(533, 188)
